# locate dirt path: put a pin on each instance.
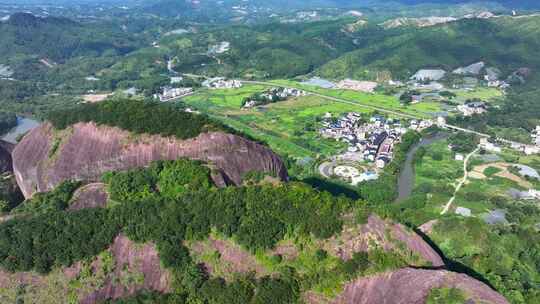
(461, 183)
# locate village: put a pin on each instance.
(370, 144)
(170, 92)
(270, 96)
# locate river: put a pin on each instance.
(407, 176)
(23, 125)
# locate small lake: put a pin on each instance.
(407, 177)
(23, 125)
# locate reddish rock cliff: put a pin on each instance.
(89, 196)
(129, 260)
(141, 259)
(384, 234)
(412, 286)
(46, 157)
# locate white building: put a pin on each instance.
(441, 121)
(176, 79)
(488, 146)
(172, 93)
(427, 74)
(466, 212)
(534, 193)
(472, 108)
(530, 150)
(221, 83)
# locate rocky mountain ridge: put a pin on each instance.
(46, 157)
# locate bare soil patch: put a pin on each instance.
(479, 171)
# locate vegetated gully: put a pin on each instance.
(407, 177)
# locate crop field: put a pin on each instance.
(436, 173)
(289, 127)
(420, 110)
(482, 93)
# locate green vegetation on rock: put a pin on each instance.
(256, 217)
(446, 296)
(139, 117)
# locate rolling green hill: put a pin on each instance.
(59, 39)
(507, 43)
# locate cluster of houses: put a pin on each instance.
(270, 96)
(169, 93)
(527, 149)
(472, 108)
(222, 83)
(374, 140)
(489, 146)
(219, 48)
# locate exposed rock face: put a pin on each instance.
(139, 259)
(412, 286)
(89, 196)
(129, 260)
(427, 227)
(416, 22)
(43, 158)
(384, 234)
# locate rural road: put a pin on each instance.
(334, 99)
(462, 182)
(400, 114)
(383, 110)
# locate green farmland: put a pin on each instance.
(390, 103)
(289, 127)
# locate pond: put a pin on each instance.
(23, 125)
(407, 176)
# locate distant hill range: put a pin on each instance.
(58, 39)
(505, 42)
(531, 4)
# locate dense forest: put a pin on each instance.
(256, 216)
(140, 117)
(7, 121)
(401, 52)
(58, 39)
